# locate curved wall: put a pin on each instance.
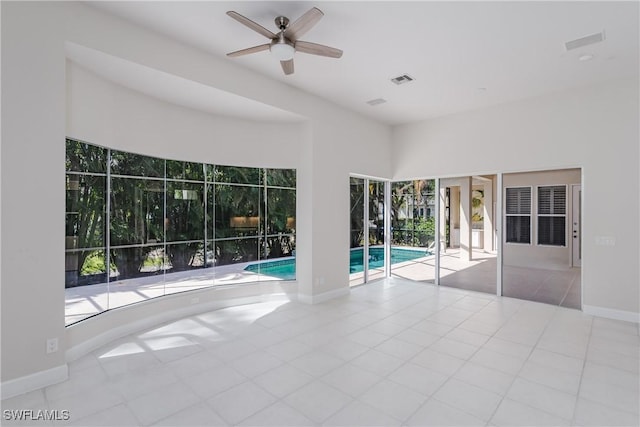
(111, 115)
(107, 114)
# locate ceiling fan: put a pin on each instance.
(286, 41)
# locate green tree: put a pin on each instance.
(357, 212)
(85, 207)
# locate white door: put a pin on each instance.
(576, 225)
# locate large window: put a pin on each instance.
(518, 214)
(552, 212)
(139, 227)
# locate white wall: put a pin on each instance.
(33, 134)
(107, 114)
(33, 127)
(595, 128)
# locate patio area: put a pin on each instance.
(557, 287)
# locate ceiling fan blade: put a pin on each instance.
(287, 66)
(317, 49)
(249, 23)
(303, 24)
(249, 50)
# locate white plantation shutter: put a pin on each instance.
(552, 214)
(518, 214)
(518, 201)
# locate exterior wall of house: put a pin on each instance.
(534, 255)
(593, 128)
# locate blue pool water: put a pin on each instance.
(286, 269)
(282, 269)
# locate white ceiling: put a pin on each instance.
(463, 55)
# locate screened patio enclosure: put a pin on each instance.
(515, 234)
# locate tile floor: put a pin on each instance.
(392, 353)
(557, 287)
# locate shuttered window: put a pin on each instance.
(552, 215)
(518, 214)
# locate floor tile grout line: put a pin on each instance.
(395, 310)
(452, 375)
(514, 376)
(584, 364)
(517, 375)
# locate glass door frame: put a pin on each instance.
(386, 227)
(439, 240)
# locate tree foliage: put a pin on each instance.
(160, 209)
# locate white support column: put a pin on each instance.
(488, 216)
(387, 229)
(441, 227)
(365, 253)
(465, 219)
(439, 234)
(498, 227)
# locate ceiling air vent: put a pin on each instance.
(584, 41)
(376, 101)
(405, 78)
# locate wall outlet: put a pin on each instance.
(195, 300)
(52, 345)
(605, 241)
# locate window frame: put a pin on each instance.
(506, 215)
(554, 215)
(195, 225)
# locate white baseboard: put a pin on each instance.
(35, 381)
(325, 296)
(610, 313)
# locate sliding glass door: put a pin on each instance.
(467, 252)
(413, 240)
(376, 225)
(367, 257)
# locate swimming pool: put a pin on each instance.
(285, 269)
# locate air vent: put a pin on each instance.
(376, 101)
(405, 78)
(584, 41)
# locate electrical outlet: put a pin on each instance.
(195, 300)
(605, 241)
(52, 345)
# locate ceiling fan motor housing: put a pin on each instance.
(282, 22)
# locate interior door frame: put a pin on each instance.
(576, 225)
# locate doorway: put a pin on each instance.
(467, 258)
(541, 251)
